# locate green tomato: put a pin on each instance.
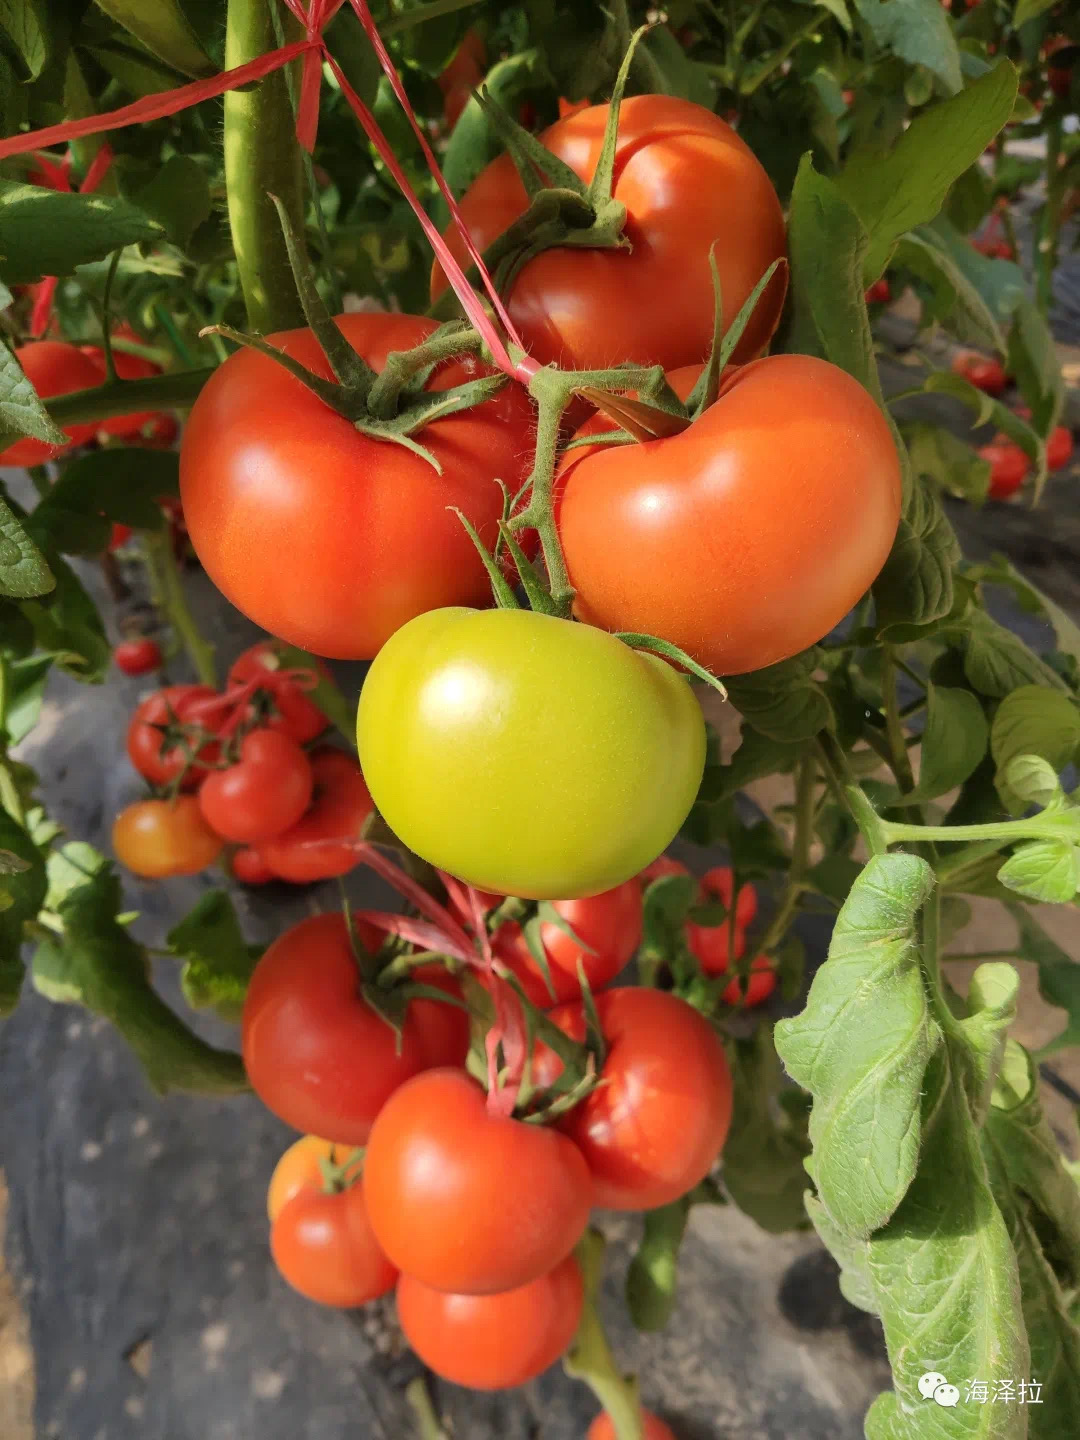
(527, 755)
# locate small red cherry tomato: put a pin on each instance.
(982, 371)
(1008, 468)
(1059, 448)
(263, 794)
(250, 868)
(138, 657)
(120, 536)
(760, 984)
(491, 1342)
(156, 741)
(292, 710)
(879, 292)
(53, 368)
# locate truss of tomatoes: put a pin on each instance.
(409, 1178)
(247, 768)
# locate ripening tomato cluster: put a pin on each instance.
(469, 1207)
(243, 767)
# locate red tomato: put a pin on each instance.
(120, 536)
(879, 293)
(299, 1169)
(994, 249)
(316, 1053)
(711, 944)
(293, 711)
(984, 373)
(656, 1127)
(322, 842)
(571, 107)
(160, 838)
(660, 869)
(1059, 77)
(138, 657)
(760, 984)
(467, 1201)
(653, 1428)
(608, 924)
(788, 486)
(1059, 447)
(268, 471)
(1009, 466)
(456, 100)
(128, 367)
(154, 742)
(323, 1246)
(687, 181)
(263, 794)
(53, 368)
(250, 868)
(491, 1342)
(468, 64)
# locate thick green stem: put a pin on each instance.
(1005, 832)
(850, 792)
(262, 157)
(170, 587)
(590, 1358)
(899, 758)
(126, 397)
(427, 1421)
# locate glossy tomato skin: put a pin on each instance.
(711, 944)
(148, 748)
(609, 927)
(250, 868)
(138, 657)
(464, 712)
(761, 983)
(322, 842)
(469, 1202)
(268, 470)
(53, 367)
(160, 838)
(1009, 466)
(323, 1246)
(294, 711)
(688, 182)
(263, 794)
(653, 1428)
(299, 1169)
(492, 1342)
(655, 1129)
(746, 538)
(316, 1053)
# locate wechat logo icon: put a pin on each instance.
(934, 1386)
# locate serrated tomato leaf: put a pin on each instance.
(47, 232)
(218, 961)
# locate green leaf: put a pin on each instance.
(862, 1045)
(163, 28)
(96, 963)
(218, 961)
(21, 410)
(24, 690)
(1033, 721)
(1030, 10)
(69, 867)
(944, 1280)
(1001, 283)
(177, 198)
(1044, 870)
(24, 890)
(991, 1010)
(45, 232)
(1033, 361)
(826, 309)
(996, 661)
(915, 586)
(783, 702)
(918, 32)
(123, 484)
(895, 191)
(953, 743)
(999, 571)
(849, 1254)
(24, 572)
(766, 1145)
(25, 23)
(956, 303)
(67, 625)
(943, 457)
(652, 1277)
(1059, 977)
(666, 903)
(325, 693)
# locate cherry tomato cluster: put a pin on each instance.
(241, 767)
(470, 1203)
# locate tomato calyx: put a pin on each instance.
(391, 405)
(339, 1176)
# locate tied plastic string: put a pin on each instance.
(59, 178)
(314, 52)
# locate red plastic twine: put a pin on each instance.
(313, 50)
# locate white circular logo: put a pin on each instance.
(930, 1382)
(947, 1395)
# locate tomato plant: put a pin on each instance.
(316, 1051)
(437, 1159)
(491, 1342)
(607, 743)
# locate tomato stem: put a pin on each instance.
(155, 392)
(165, 573)
(427, 1421)
(401, 367)
(590, 1358)
(261, 156)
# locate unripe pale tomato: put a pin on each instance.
(325, 536)
(748, 536)
(160, 838)
(528, 755)
(491, 1342)
(689, 184)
